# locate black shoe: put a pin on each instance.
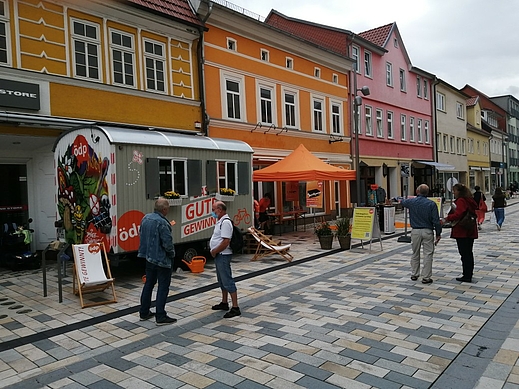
(235, 311)
(414, 278)
(165, 320)
(463, 279)
(149, 316)
(427, 281)
(220, 307)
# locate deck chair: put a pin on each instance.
(89, 274)
(267, 246)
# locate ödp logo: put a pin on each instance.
(94, 248)
(80, 149)
(128, 230)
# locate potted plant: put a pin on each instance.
(325, 234)
(343, 232)
(226, 194)
(173, 197)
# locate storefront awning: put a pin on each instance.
(438, 165)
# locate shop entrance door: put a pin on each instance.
(13, 195)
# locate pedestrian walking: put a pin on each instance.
(156, 246)
(480, 199)
(464, 202)
(222, 254)
(425, 221)
(498, 207)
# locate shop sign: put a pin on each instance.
(17, 94)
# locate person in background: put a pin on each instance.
(156, 246)
(464, 239)
(264, 205)
(478, 196)
(425, 221)
(498, 206)
(256, 214)
(222, 254)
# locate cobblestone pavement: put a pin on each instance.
(330, 319)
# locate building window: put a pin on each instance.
(317, 72)
(356, 58)
(231, 44)
(418, 86)
(266, 96)
(289, 63)
(233, 96)
(463, 146)
(87, 46)
(458, 145)
(367, 64)
(395, 42)
(173, 176)
(318, 117)
(440, 102)
(390, 134)
(389, 74)
(402, 80)
(123, 58)
(264, 55)
(4, 35)
(380, 129)
(227, 175)
(336, 117)
(155, 62)
(425, 89)
(460, 111)
(290, 107)
(369, 120)
(335, 78)
(438, 142)
(445, 143)
(451, 145)
(411, 129)
(403, 127)
(419, 130)
(426, 132)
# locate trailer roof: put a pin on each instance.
(123, 135)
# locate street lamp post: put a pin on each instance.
(357, 102)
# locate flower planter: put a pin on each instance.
(344, 242)
(173, 202)
(326, 242)
(222, 197)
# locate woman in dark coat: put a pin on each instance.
(498, 206)
(464, 238)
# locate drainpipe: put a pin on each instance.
(201, 73)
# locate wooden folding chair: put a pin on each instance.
(267, 246)
(89, 274)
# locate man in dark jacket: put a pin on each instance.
(156, 246)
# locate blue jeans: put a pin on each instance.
(500, 216)
(155, 273)
(224, 273)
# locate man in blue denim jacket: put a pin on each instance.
(156, 246)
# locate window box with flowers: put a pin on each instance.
(325, 234)
(173, 198)
(226, 194)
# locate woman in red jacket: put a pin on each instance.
(464, 238)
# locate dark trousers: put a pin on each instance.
(155, 273)
(467, 256)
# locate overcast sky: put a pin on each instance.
(473, 42)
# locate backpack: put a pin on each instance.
(237, 242)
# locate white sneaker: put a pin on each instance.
(498, 227)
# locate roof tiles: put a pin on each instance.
(178, 9)
(379, 35)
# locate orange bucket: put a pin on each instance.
(196, 265)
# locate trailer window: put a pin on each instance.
(227, 175)
(173, 176)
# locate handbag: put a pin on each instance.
(468, 221)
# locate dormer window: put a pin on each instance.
(317, 72)
(264, 55)
(231, 44)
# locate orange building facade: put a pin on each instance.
(275, 92)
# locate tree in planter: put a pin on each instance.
(343, 232)
(325, 235)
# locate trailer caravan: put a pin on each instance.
(108, 178)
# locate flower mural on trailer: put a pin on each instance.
(83, 197)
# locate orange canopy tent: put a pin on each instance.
(302, 165)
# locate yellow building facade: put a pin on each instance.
(478, 156)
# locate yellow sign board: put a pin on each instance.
(363, 221)
(438, 201)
